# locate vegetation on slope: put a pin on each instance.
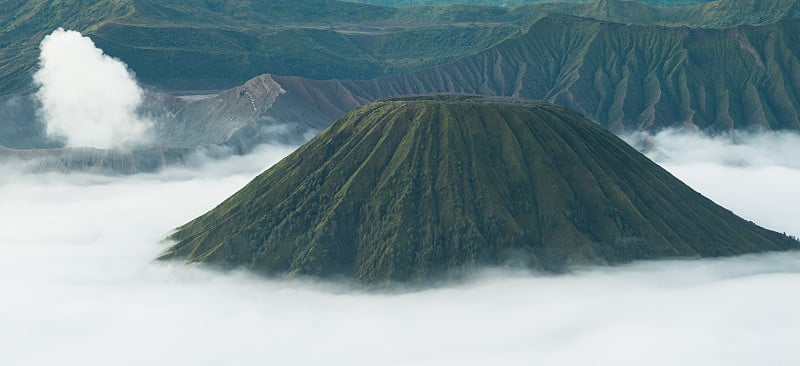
(412, 189)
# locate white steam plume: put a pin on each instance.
(87, 98)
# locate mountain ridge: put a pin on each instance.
(329, 39)
(627, 78)
(512, 3)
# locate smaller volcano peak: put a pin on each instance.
(427, 187)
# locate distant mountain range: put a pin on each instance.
(196, 44)
(398, 3)
(302, 64)
(625, 77)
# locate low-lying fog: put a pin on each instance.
(79, 287)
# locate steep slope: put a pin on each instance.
(647, 77)
(412, 189)
(625, 77)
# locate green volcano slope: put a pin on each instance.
(418, 188)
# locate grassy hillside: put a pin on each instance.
(418, 188)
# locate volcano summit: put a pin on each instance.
(421, 188)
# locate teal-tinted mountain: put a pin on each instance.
(627, 78)
(398, 3)
(198, 44)
(213, 45)
(714, 14)
(417, 189)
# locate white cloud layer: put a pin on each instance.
(78, 288)
(754, 175)
(88, 98)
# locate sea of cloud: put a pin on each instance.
(755, 175)
(79, 286)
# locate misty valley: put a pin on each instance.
(223, 182)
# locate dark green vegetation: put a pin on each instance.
(205, 44)
(417, 188)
